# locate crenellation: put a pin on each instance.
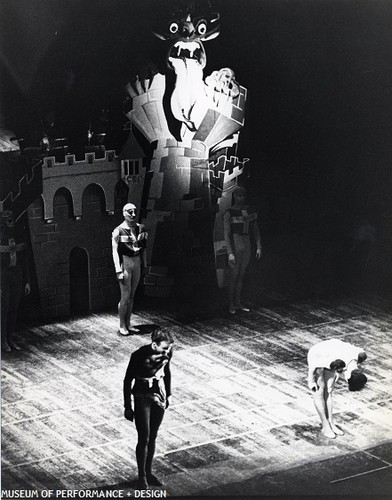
(89, 158)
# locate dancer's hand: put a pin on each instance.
(27, 289)
(156, 359)
(231, 260)
(167, 402)
(120, 277)
(313, 386)
(142, 236)
(258, 253)
(128, 414)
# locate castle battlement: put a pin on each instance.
(105, 172)
(225, 165)
(89, 164)
(224, 172)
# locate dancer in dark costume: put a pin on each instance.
(148, 380)
(14, 278)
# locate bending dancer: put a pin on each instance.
(148, 379)
(239, 222)
(128, 246)
(327, 362)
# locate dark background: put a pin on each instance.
(318, 127)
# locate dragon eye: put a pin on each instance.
(202, 28)
(173, 28)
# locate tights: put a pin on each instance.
(148, 418)
(131, 270)
(242, 259)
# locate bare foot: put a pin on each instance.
(123, 331)
(142, 483)
(328, 433)
(336, 430)
(243, 308)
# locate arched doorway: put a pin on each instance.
(79, 281)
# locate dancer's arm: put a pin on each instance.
(115, 255)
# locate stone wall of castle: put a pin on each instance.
(71, 226)
(53, 244)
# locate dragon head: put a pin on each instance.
(186, 29)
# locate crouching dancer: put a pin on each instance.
(327, 362)
(148, 380)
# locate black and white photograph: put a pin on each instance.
(196, 249)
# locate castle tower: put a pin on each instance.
(180, 214)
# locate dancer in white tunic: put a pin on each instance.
(328, 361)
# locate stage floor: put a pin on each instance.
(241, 421)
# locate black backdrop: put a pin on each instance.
(319, 119)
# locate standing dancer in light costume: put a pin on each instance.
(128, 249)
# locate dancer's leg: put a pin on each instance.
(125, 290)
(233, 283)
(142, 422)
(156, 418)
(243, 265)
(319, 400)
(330, 384)
(134, 282)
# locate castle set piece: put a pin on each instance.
(183, 184)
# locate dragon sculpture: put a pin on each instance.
(187, 58)
(192, 123)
